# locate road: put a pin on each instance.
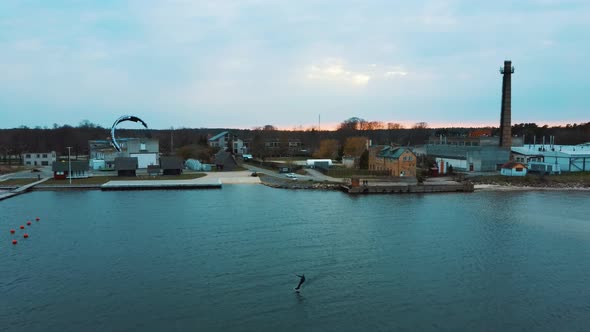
(44, 172)
(312, 174)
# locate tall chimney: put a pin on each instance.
(505, 120)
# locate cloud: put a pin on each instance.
(214, 61)
(334, 70)
(395, 73)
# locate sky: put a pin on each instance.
(291, 64)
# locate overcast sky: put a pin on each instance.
(247, 63)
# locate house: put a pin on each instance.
(513, 168)
(171, 165)
(39, 158)
(397, 160)
(223, 139)
(61, 170)
(272, 143)
(225, 161)
(126, 166)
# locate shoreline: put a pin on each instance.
(244, 177)
(308, 186)
(499, 187)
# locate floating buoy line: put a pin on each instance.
(22, 227)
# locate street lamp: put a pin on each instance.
(69, 164)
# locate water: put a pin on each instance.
(225, 260)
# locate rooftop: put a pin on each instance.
(218, 136)
(553, 150)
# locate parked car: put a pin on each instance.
(291, 176)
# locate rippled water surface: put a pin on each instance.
(226, 260)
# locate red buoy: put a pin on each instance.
(26, 235)
(14, 242)
(28, 223)
(22, 227)
(37, 219)
(12, 231)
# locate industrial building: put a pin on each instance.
(102, 154)
(471, 154)
(551, 158)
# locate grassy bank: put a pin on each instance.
(101, 179)
(17, 182)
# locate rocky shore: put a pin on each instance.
(572, 181)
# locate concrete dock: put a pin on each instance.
(162, 184)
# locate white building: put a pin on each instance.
(566, 158)
(222, 140)
(39, 158)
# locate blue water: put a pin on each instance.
(225, 260)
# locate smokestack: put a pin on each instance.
(505, 120)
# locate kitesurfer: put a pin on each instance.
(301, 281)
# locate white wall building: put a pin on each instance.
(39, 158)
(222, 140)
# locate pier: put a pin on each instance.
(401, 187)
(21, 189)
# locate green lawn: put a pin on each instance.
(105, 179)
(17, 182)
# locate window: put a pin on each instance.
(28, 156)
(45, 163)
(45, 155)
(28, 162)
(519, 169)
(38, 155)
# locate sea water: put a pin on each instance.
(226, 260)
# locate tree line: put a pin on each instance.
(179, 141)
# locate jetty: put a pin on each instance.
(21, 189)
(390, 187)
